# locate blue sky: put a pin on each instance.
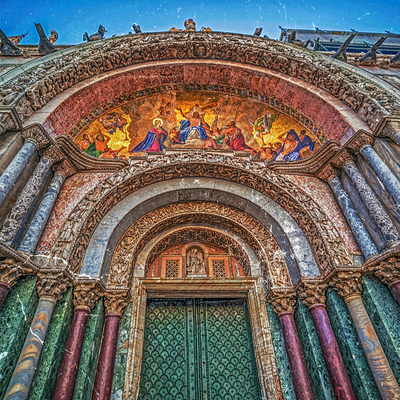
(71, 18)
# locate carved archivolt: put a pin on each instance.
(145, 228)
(36, 86)
(75, 235)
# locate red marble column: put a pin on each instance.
(301, 378)
(105, 367)
(395, 288)
(334, 361)
(68, 372)
(4, 290)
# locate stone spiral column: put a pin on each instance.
(114, 305)
(27, 196)
(10, 272)
(50, 289)
(360, 232)
(32, 235)
(384, 173)
(374, 206)
(283, 304)
(34, 139)
(313, 295)
(85, 297)
(349, 286)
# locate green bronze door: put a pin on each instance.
(198, 350)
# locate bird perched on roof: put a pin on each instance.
(136, 28)
(96, 36)
(258, 31)
(45, 46)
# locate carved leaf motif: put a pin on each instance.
(11, 271)
(86, 296)
(52, 285)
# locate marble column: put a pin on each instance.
(105, 367)
(359, 230)
(313, 295)
(349, 287)
(384, 173)
(283, 304)
(4, 290)
(395, 289)
(85, 297)
(50, 288)
(15, 168)
(42, 214)
(389, 273)
(374, 206)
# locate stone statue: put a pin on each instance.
(190, 25)
(45, 46)
(96, 36)
(7, 47)
(195, 262)
(53, 37)
(17, 39)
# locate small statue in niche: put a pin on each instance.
(195, 262)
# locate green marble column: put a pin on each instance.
(16, 316)
(350, 347)
(90, 353)
(313, 353)
(122, 353)
(384, 313)
(282, 361)
(52, 352)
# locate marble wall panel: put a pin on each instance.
(320, 192)
(53, 349)
(72, 192)
(16, 316)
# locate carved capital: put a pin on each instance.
(36, 134)
(115, 303)
(360, 140)
(328, 172)
(52, 285)
(342, 158)
(86, 296)
(53, 153)
(347, 284)
(65, 168)
(388, 271)
(312, 292)
(11, 271)
(282, 302)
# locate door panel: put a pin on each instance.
(198, 350)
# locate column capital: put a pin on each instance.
(64, 168)
(52, 285)
(86, 296)
(53, 153)
(347, 284)
(342, 158)
(312, 292)
(36, 134)
(359, 140)
(11, 271)
(282, 302)
(387, 270)
(115, 303)
(328, 172)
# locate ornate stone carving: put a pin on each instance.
(312, 292)
(359, 140)
(36, 134)
(64, 168)
(115, 303)
(11, 271)
(146, 227)
(319, 230)
(342, 158)
(282, 302)
(52, 285)
(53, 153)
(347, 283)
(49, 78)
(86, 296)
(388, 270)
(327, 173)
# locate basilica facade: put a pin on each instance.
(199, 215)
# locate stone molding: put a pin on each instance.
(86, 296)
(52, 285)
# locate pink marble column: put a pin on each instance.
(395, 288)
(301, 378)
(334, 361)
(105, 367)
(4, 290)
(68, 372)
